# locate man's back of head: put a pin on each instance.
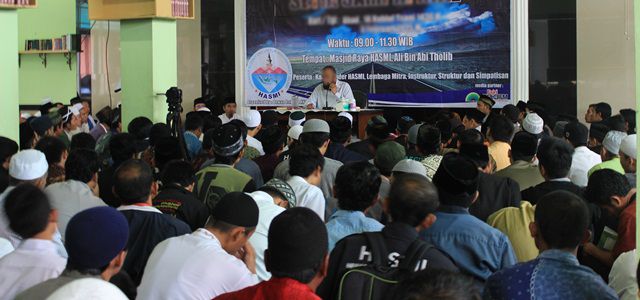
(82, 140)
(298, 244)
(81, 165)
(561, 221)
(470, 136)
(604, 185)
(576, 133)
(429, 139)
(140, 127)
(478, 153)
(412, 198)
(193, 122)
(305, 160)
(8, 148)
(457, 180)
(53, 149)
(28, 211)
(555, 156)
(377, 130)
(501, 129)
(524, 146)
(132, 182)
(166, 149)
(437, 284)
(157, 132)
(340, 130)
(178, 172)
(356, 186)
(122, 147)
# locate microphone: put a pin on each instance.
(327, 88)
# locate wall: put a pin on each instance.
(9, 73)
(606, 62)
(105, 54)
(52, 18)
(189, 60)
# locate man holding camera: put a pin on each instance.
(327, 94)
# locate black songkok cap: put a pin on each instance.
(237, 209)
(456, 175)
(297, 240)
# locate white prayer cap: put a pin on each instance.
(612, 141)
(28, 165)
(45, 101)
(294, 132)
(88, 288)
(252, 119)
(629, 146)
(25, 115)
(74, 110)
(78, 106)
(346, 115)
(296, 118)
(37, 114)
(533, 124)
(413, 134)
(410, 166)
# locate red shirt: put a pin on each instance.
(275, 288)
(626, 231)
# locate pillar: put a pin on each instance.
(148, 66)
(239, 26)
(519, 50)
(9, 101)
(636, 37)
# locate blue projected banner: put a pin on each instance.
(423, 53)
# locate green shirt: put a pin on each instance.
(613, 164)
(217, 180)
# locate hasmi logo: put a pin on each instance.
(270, 72)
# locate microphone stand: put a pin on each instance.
(326, 99)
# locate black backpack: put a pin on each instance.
(378, 280)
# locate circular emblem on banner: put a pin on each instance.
(472, 97)
(270, 73)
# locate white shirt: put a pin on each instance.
(308, 195)
(583, 160)
(33, 262)
(329, 172)
(69, 198)
(622, 277)
(321, 98)
(88, 288)
(253, 142)
(5, 247)
(193, 266)
(7, 233)
(268, 211)
(85, 128)
(225, 119)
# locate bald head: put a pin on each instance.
(411, 199)
(133, 180)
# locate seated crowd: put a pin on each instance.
(510, 203)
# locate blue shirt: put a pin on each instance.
(194, 146)
(344, 223)
(555, 274)
(477, 248)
